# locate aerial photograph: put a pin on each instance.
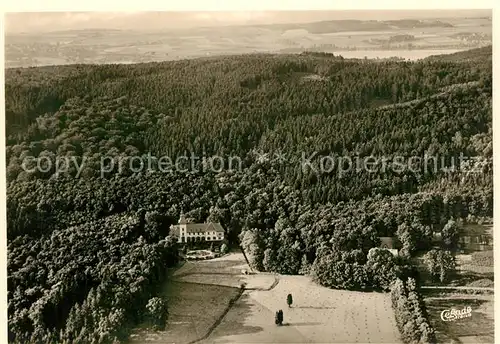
(249, 177)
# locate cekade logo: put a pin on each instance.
(454, 314)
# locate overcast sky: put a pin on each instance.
(53, 21)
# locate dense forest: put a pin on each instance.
(87, 246)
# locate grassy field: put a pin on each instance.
(318, 315)
(225, 271)
(479, 328)
(473, 264)
(193, 309)
(474, 272)
(200, 292)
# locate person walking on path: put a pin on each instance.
(278, 319)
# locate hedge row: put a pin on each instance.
(410, 312)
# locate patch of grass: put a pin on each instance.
(479, 328)
(199, 294)
(465, 278)
(483, 258)
(482, 283)
(193, 309)
(318, 315)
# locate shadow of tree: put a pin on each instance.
(302, 324)
(313, 307)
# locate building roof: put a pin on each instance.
(389, 242)
(201, 227)
(197, 227)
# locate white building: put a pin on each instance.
(187, 231)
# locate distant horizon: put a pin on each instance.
(45, 22)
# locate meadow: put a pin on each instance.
(201, 293)
(318, 315)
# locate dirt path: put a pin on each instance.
(208, 305)
(319, 315)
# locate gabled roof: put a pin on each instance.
(217, 226)
(201, 227)
(389, 242)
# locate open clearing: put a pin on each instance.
(193, 309)
(200, 292)
(318, 315)
(479, 328)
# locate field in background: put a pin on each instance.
(373, 39)
(480, 263)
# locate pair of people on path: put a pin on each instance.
(278, 319)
